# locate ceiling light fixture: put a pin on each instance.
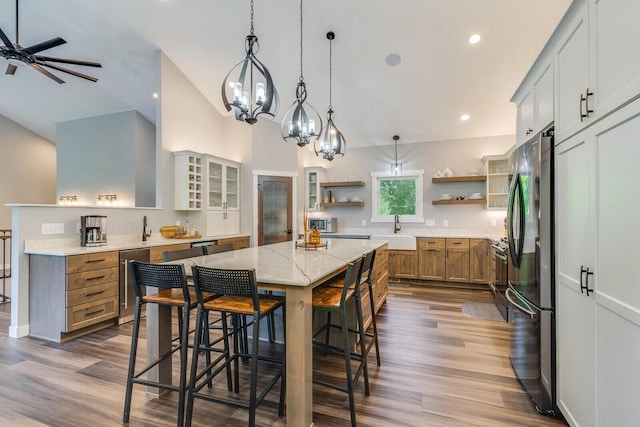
(296, 123)
(464, 117)
(396, 168)
(331, 141)
(474, 38)
(256, 96)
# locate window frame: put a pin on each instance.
(417, 176)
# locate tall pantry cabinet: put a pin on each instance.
(597, 122)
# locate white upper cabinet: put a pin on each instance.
(574, 104)
(534, 100)
(187, 181)
(223, 196)
(313, 194)
(597, 63)
(615, 59)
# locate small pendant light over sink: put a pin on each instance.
(248, 88)
(301, 122)
(331, 141)
(396, 168)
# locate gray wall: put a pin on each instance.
(458, 155)
(104, 155)
(28, 172)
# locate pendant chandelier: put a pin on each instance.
(396, 168)
(301, 122)
(331, 142)
(248, 88)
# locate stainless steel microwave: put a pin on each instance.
(326, 225)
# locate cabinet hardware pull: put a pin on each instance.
(89, 313)
(457, 243)
(586, 102)
(95, 293)
(94, 278)
(95, 260)
(432, 250)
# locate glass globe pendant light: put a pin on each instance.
(331, 142)
(396, 168)
(248, 88)
(301, 122)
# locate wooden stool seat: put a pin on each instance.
(329, 296)
(174, 297)
(242, 305)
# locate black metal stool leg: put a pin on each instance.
(132, 360)
(347, 362)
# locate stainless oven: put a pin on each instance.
(500, 279)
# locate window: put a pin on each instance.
(397, 195)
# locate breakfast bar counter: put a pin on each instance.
(295, 271)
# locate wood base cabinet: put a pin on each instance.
(479, 261)
(403, 264)
(457, 260)
(432, 259)
(71, 294)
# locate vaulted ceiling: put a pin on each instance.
(440, 75)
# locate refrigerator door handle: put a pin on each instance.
(515, 190)
(526, 310)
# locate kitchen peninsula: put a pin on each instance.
(296, 271)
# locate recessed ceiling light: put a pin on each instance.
(474, 39)
(464, 117)
(155, 95)
(393, 59)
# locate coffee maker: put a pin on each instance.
(93, 230)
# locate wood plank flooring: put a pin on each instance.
(439, 368)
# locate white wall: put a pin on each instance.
(100, 155)
(458, 155)
(28, 172)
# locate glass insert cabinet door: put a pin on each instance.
(215, 184)
(231, 180)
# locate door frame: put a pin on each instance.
(294, 201)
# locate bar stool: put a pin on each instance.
(366, 277)
(173, 291)
(238, 296)
(332, 299)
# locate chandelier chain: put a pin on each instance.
(251, 17)
(301, 75)
(330, 73)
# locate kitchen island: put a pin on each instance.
(295, 271)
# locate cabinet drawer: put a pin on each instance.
(94, 261)
(92, 278)
(457, 243)
(156, 252)
(92, 293)
(427, 243)
(83, 315)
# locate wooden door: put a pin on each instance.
(478, 266)
(403, 264)
(457, 260)
(275, 207)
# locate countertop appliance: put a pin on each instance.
(127, 293)
(530, 290)
(93, 230)
(325, 225)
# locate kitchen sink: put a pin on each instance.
(398, 241)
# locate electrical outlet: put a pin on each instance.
(52, 228)
(430, 223)
(493, 222)
(177, 222)
(77, 227)
(364, 222)
(445, 222)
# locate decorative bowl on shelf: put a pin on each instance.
(447, 172)
(438, 174)
(343, 199)
(474, 172)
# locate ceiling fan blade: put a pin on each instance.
(11, 69)
(45, 45)
(5, 39)
(45, 72)
(66, 70)
(68, 61)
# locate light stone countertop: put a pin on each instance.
(284, 264)
(462, 233)
(70, 246)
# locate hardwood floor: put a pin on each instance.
(439, 368)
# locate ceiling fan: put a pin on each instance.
(17, 55)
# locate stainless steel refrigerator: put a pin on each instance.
(530, 290)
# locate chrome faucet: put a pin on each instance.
(144, 229)
(396, 225)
